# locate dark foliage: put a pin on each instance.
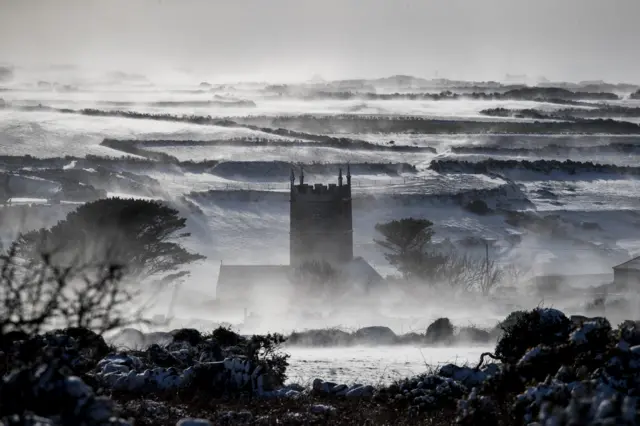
(264, 350)
(478, 207)
(406, 241)
(539, 166)
(409, 249)
(524, 330)
(440, 331)
(36, 294)
(322, 337)
(226, 337)
(136, 234)
(357, 123)
(189, 335)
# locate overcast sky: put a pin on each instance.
(278, 39)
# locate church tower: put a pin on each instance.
(321, 225)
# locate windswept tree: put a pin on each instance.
(141, 236)
(405, 241)
(408, 247)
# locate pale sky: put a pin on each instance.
(279, 39)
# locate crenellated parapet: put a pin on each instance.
(321, 221)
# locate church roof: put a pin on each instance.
(360, 271)
(633, 264)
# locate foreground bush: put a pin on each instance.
(550, 370)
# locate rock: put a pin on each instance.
(327, 387)
(594, 332)
(129, 361)
(45, 390)
(477, 410)
(340, 389)
(194, 422)
(317, 385)
(440, 331)
(321, 409)
(210, 351)
(629, 331)
(26, 420)
(235, 417)
(360, 392)
(465, 375)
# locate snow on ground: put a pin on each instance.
(297, 154)
(253, 227)
(146, 101)
(595, 194)
(49, 134)
(444, 141)
(377, 365)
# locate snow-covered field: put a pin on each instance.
(379, 365)
(246, 217)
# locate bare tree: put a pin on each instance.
(36, 295)
(29, 293)
(513, 274)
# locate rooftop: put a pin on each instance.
(633, 264)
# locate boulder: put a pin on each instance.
(194, 422)
(360, 392)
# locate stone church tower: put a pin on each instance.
(321, 225)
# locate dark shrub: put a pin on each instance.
(540, 326)
(441, 330)
(189, 335)
(473, 335)
(478, 207)
(89, 343)
(375, 335)
(629, 331)
(322, 337)
(226, 337)
(265, 351)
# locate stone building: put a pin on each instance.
(627, 274)
(321, 223)
(321, 229)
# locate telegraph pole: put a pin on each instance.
(486, 247)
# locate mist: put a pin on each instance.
(390, 202)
